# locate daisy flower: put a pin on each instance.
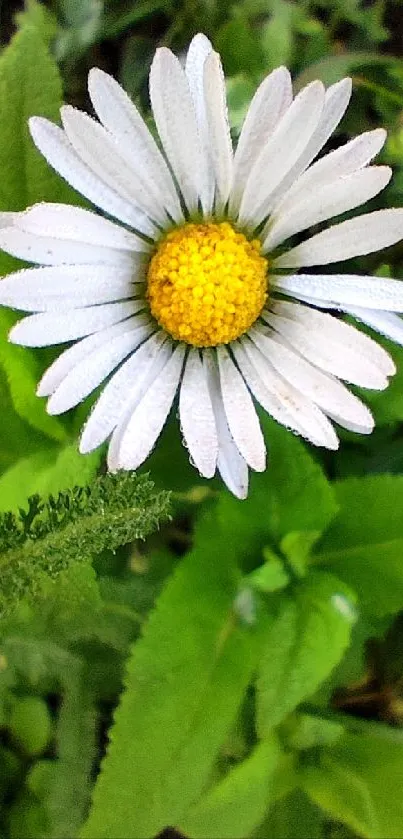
(195, 288)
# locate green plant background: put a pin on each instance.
(189, 664)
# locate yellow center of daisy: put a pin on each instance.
(207, 283)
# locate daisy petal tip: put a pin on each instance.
(200, 40)
(42, 390)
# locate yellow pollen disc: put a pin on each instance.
(207, 284)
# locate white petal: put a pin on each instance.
(50, 328)
(332, 345)
(53, 251)
(65, 287)
(241, 416)
(271, 100)
(126, 387)
(63, 221)
(230, 463)
(58, 151)
(281, 152)
(354, 237)
(282, 401)
(327, 392)
(337, 164)
(176, 122)
(336, 291)
(94, 368)
(78, 352)
(386, 323)
(331, 200)
(199, 49)
(6, 219)
(336, 100)
(137, 145)
(219, 131)
(197, 417)
(96, 147)
(147, 420)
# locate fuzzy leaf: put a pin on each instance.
(74, 527)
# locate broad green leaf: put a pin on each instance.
(22, 371)
(16, 436)
(293, 817)
(46, 472)
(342, 794)
(26, 178)
(291, 495)
(388, 405)
(303, 645)
(186, 679)
(359, 781)
(364, 544)
(42, 19)
(236, 805)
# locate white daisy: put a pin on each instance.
(189, 292)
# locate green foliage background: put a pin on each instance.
(238, 672)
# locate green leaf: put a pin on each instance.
(387, 406)
(277, 35)
(342, 794)
(185, 682)
(334, 67)
(46, 472)
(42, 19)
(22, 370)
(293, 817)
(305, 642)
(359, 781)
(364, 544)
(26, 178)
(235, 806)
(74, 527)
(16, 436)
(291, 495)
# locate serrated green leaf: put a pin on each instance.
(364, 544)
(235, 806)
(185, 682)
(305, 642)
(46, 472)
(73, 527)
(291, 495)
